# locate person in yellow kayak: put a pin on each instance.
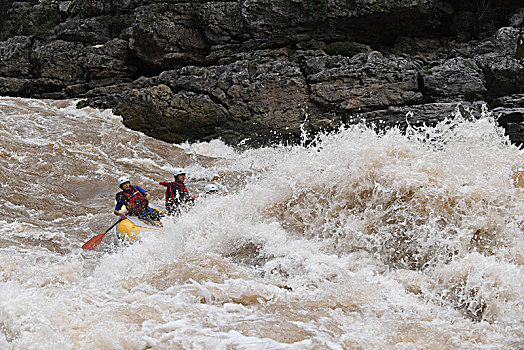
(136, 200)
(177, 194)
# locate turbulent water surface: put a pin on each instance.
(365, 240)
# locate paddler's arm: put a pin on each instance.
(144, 192)
(121, 214)
(117, 211)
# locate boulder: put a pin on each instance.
(60, 60)
(454, 79)
(512, 119)
(364, 81)
(419, 115)
(167, 36)
(15, 56)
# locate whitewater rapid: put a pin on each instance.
(361, 240)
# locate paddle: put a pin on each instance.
(95, 241)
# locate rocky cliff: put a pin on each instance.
(265, 69)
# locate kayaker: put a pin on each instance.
(177, 194)
(136, 200)
(211, 189)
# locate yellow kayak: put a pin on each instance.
(132, 228)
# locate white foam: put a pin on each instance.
(373, 240)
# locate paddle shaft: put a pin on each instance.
(95, 241)
(116, 223)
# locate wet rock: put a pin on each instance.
(107, 60)
(255, 68)
(92, 8)
(512, 119)
(15, 57)
(516, 100)
(89, 30)
(504, 74)
(506, 40)
(424, 114)
(64, 6)
(456, 78)
(517, 20)
(231, 102)
(174, 117)
(168, 36)
(519, 53)
(364, 81)
(59, 60)
(13, 86)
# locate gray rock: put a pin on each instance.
(60, 60)
(418, 115)
(511, 101)
(64, 6)
(505, 40)
(512, 119)
(92, 30)
(243, 96)
(252, 68)
(517, 20)
(223, 22)
(107, 60)
(15, 57)
(174, 117)
(504, 75)
(168, 36)
(363, 81)
(454, 79)
(13, 86)
(92, 8)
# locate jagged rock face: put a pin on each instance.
(364, 81)
(455, 79)
(167, 36)
(15, 53)
(199, 70)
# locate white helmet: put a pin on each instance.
(122, 180)
(178, 171)
(210, 188)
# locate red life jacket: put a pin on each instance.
(135, 201)
(177, 196)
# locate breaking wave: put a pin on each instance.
(364, 239)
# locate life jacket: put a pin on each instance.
(135, 201)
(176, 196)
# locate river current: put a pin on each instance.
(361, 240)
